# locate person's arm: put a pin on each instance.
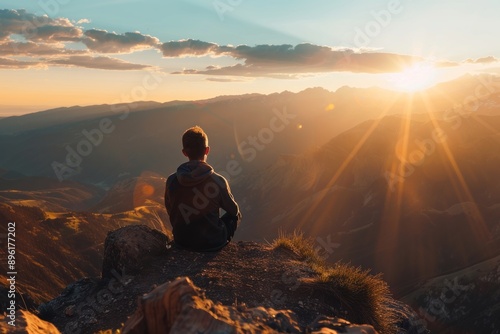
(227, 200)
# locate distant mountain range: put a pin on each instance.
(100, 144)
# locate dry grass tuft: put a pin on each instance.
(362, 295)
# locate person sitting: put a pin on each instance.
(194, 196)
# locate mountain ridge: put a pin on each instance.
(459, 85)
(311, 118)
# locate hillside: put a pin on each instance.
(46, 193)
(465, 301)
(364, 201)
(58, 245)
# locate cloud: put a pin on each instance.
(288, 61)
(224, 80)
(82, 21)
(188, 47)
(54, 33)
(6, 63)
(283, 54)
(47, 38)
(100, 62)
(34, 49)
(446, 63)
(36, 28)
(106, 42)
(14, 22)
(483, 60)
(50, 37)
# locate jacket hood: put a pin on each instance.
(193, 172)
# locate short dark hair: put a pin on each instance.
(194, 142)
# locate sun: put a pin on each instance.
(418, 77)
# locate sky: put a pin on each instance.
(57, 53)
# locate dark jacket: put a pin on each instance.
(193, 197)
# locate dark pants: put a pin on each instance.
(231, 223)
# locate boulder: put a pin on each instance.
(129, 249)
(181, 307)
(328, 325)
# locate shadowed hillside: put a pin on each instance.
(366, 202)
(59, 238)
(465, 301)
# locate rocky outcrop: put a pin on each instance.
(180, 307)
(130, 248)
(27, 323)
(249, 287)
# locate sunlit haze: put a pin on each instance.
(97, 52)
(414, 78)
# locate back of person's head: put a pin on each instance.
(195, 142)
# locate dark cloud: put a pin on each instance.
(109, 42)
(284, 54)
(52, 33)
(36, 28)
(14, 22)
(46, 38)
(288, 61)
(188, 47)
(103, 63)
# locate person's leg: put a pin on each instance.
(231, 223)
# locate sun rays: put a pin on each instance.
(438, 159)
(393, 221)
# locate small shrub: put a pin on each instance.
(297, 243)
(362, 295)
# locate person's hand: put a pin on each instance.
(231, 226)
